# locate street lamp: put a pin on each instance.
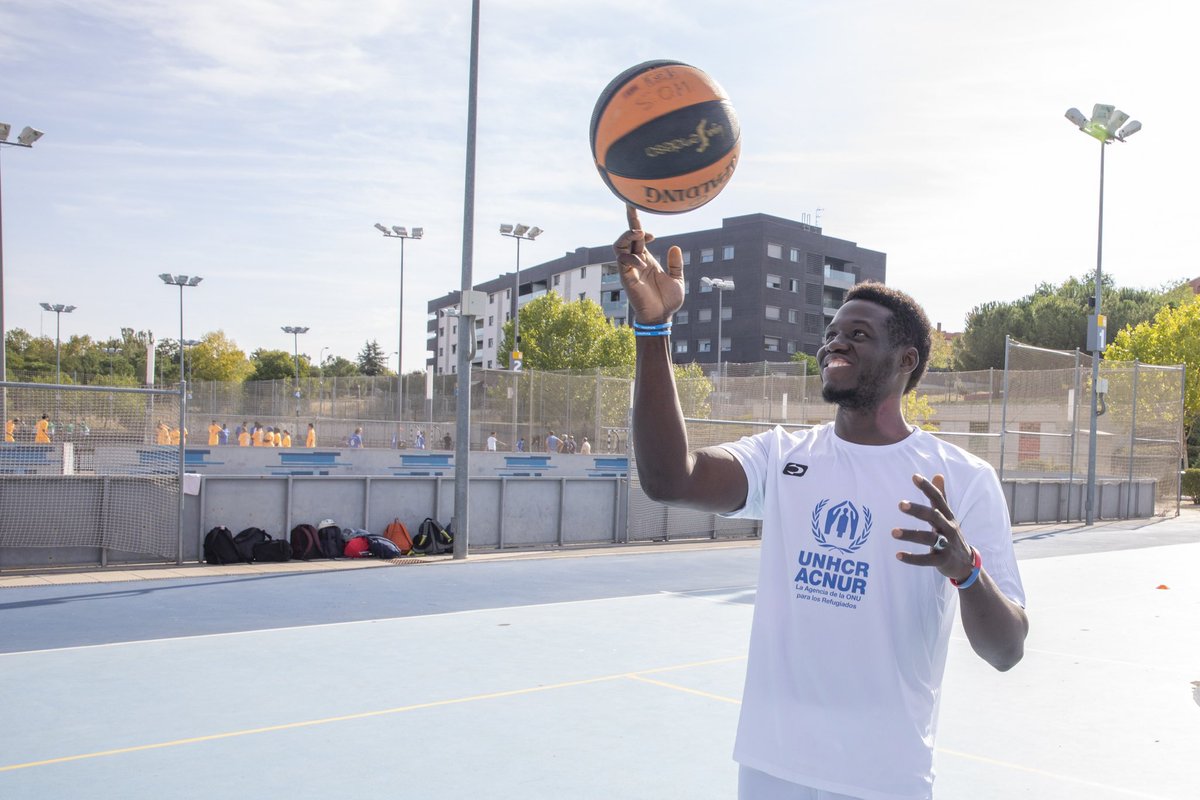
(295, 331)
(59, 309)
(181, 281)
(110, 352)
(1105, 125)
(722, 285)
(25, 138)
(398, 232)
(518, 232)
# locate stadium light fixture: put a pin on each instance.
(519, 231)
(401, 233)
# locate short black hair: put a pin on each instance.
(907, 326)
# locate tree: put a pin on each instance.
(338, 367)
(218, 358)
(1172, 337)
(812, 368)
(1055, 317)
(941, 352)
(372, 360)
(272, 365)
(557, 335)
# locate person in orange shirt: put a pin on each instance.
(162, 434)
(277, 437)
(287, 439)
(10, 429)
(214, 434)
(256, 435)
(42, 436)
(311, 439)
(243, 437)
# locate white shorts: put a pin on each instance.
(755, 785)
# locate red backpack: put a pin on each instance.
(398, 534)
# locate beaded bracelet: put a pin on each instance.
(661, 329)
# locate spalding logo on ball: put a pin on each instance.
(665, 137)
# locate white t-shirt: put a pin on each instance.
(848, 644)
(491, 443)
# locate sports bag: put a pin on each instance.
(383, 547)
(219, 547)
(272, 550)
(305, 544)
(246, 540)
(398, 535)
(330, 539)
(432, 538)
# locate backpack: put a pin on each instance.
(219, 547)
(383, 547)
(330, 539)
(305, 544)
(357, 547)
(398, 535)
(433, 539)
(246, 540)
(272, 550)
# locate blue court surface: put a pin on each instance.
(614, 674)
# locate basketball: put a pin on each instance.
(665, 137)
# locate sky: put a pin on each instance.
(256, 142)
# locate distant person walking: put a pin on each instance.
(214, 434)
(256, 434)
(493, 443)
(310, 439)
(356, 439)
(223, 435)
(243, 436)
(420, 440)
(521, 445)
(286, 441)
(551, 443)
(42, 430)
(586, 447)
(10, 429)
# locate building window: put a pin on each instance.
(453, 368)
(726, 344)
(774, 282)
(794, 285)
(582, 296)
(794, 254)
(681, 317)
(727, 252)
(618, 321)
(479, 346)
(490, 342)
(704, 346)
(681, 345)
(687, 257)
(455, 330)
(706, 255)
(557, 278)
(441, 352)
(687, 288)
(704, 315)
(491, 298)
(489, 364)
(771, 344)
(453, 349)
(507, 316)
(491, 320)
(791, 347)
(583, 272)
(774, 250)
(726, 312)
(792, 316)
(615, 297)
(772, 312)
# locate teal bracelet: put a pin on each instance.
(661, 329)
(974, 576)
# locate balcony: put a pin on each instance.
(836, 278)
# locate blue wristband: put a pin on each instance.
(974, 576)
(661, 329)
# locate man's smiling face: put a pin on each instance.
(859, 364)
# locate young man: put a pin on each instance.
(214, 434)
(356, 439)
(851, 625)
(42, 430)
(310, 439)
(493, 443)
(10, 429)
(223, 435)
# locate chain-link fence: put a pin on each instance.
(91, 467)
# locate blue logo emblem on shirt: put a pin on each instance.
(839, 530)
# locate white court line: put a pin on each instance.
(349, 622)
(1046, 773)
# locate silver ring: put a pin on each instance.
(940, 544)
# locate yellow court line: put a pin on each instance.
(360, 715)
(685, 689)
(1057, 776)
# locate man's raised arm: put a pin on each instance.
(710, 479)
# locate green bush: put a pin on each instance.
(1191, 484)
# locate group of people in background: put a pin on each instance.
(563, 444)
(43, 429)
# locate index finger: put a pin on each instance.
(632, 218)
(935, 490)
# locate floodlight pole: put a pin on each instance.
(397, 232)
(296, 330)
(59, 309)
(518, 232)
(1103, 126)
(25, 139)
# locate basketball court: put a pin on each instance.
(607, 674)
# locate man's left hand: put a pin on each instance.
(948, 550)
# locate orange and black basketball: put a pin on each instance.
(665, 137)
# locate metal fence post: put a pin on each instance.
(1132, 440)
(182, 450)
(1004, 408)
